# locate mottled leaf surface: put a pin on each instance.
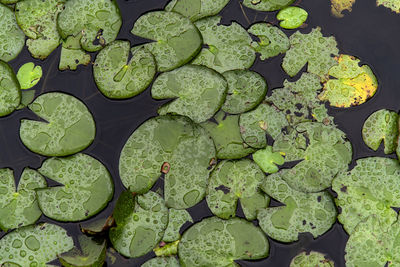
(176, 219)
(29, 75)
(394, 5)
(311, 259)
(196, 9)
(10, 92)
(338, 6)
(162, 262)
(70, 59)
(292, 17)
(268, 159)
(267, 5)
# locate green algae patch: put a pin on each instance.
(196, 9)
(176, 219)
(292, 17)
(29, 75)
(10, 91)
(268, 159)
(267, 5)
(311, 258)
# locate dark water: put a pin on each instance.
(369, 33)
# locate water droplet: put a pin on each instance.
(32, 243)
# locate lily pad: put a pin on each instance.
(251, 205)
(174, 45)
(246, 89)
(272, 40)
(311, 258)
(10, 92)
(34, 245)
(394, 5)
(312, 48)
(368, 189)
(323, 152)
(118, 78)
(256, 124)
(69, 126)
(166, 249)
(27, 97)
(12, 39)
(292, 17)
(338, 6)
(228, 47)
(199, 92)
(162, 262)
(381, 126)
(29, 75)
(19, 207)
(268, 160)
(99, 22)
(267, 5)
(38, 20)
(217, 242)
(165, 145)
(70, 59)
(231, 181)
(196, 9)
(313, 213)
(141, 222)
(351, 84)
(90, 254)
(176, 219)
(98, 226)
(86, 188)
(225, 132)
(9, 2)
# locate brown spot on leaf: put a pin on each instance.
(165, 167)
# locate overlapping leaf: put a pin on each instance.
(176, 219)
(10, 92)
(311, 258)
(267, 5)
(196, 9)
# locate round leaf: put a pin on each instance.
(29, 75)
(292, 17)
(196, 9)
(10, 93)
(311, 258)
(176, 219)
(267, 5)
(162, 262)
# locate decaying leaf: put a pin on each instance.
(10, 92)
(267, 5)
(338, 6)
(394, 5)
(176, 219)
(196, 9)
(268, 160)
(29, 75)
(166, 249)
(311, 259)
(292, 17)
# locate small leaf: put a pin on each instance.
(10, 92)
(292, 17)
(12, 39)
(311, 258)
(338, 6)
(176, 219)
(267, 5)
(162, 262)
(267, 159)
(167, 249)
(196, 9)
(394, 5)
(29, 75)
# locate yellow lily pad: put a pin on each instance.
(338, 6)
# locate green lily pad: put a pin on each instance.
(27, 97)
(165, 145)
(338, 6)
(251, 205)
(176, 219)
(174, 45)
(118, 78)
(368, 189)
(162, 262)
(70, 59)
(10, 92)
(196, 9)
(313, 213)
(217, 242)
(34, 245)
(199, 92)
(311, 258)
(225, 132)
(351, 84)
(29, 75)
(292, 17)
(19, 207)
(268, 160)
(229, 182)
(90, 254)
(98, 226)
(228, 47)
(99, 22)
(272, 40)
(312, 48)
(38, 20)
(246, 89)
(86, 189)
(394, 5)
(267, 5)
(12, 39)
(323, 152)
(381, 126)
(256, 124)
(141, 222)
(69, 126)
(9, 2)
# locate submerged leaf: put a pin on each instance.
(292, 17)
(267, 5)
(196, 9)
(267, 159)
(311, 259)
(394, 5)
(176, 219)
(338, 6)
(10, 92)
(162, 262)
(29, 75)
(69, 126)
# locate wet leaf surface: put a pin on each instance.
(338, 6)
(162, 262)
(267, 5)
(176, 219)
(311, 258)
(70, 59)
(10, 93)
(292, 17)
(29, 75)
(86, 189)
(268, 160)
(196, 9)
(97, 227)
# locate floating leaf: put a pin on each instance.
(196, 9)
(272, 41)
(176, 219)
(267, 159)
(246, 89)
(251, 205)
(174, 45)
(69, 126)
(311, 258)
(231, 181)
(368, 189)
(267, 5)
(141, 222)
(10, 93)
(27, 97)
(19, 207)
(312, 48)
(34, 245)
(323, 152)
(86, 189)
(9, 2)
(12, 39)
(394, 5)
(98, 226)
(351, 84)
(118, 78)
(199, 92)
(302, 212)
(225, 132)
(169, 249)
(38, 20)
(381, 126)
(162, 262)
(217, 242)
(228, 47)
(90, 254)
(338, 6)
(29, 75)
(70, 59)
(166, 144)
(292, 17)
